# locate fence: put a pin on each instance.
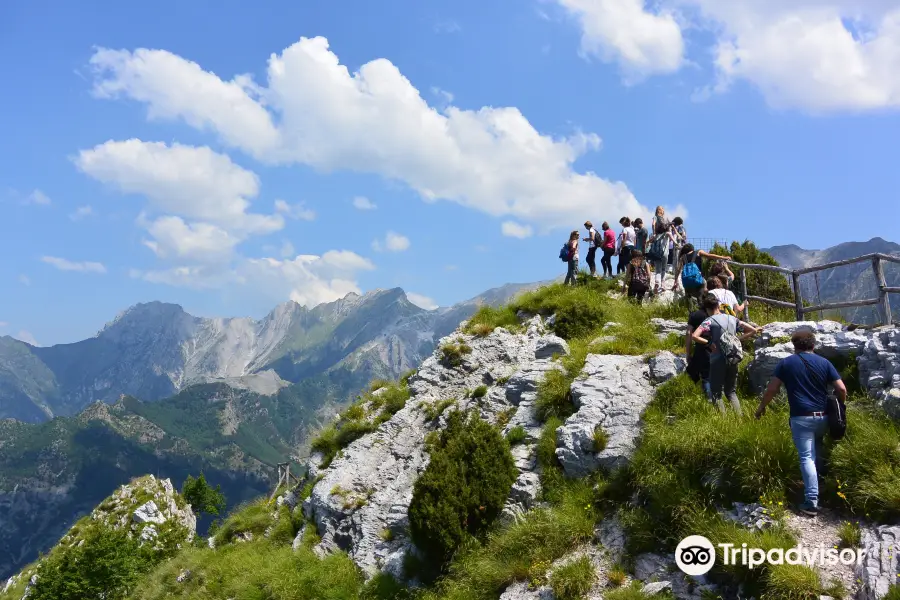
(882, 301)
(706, 244)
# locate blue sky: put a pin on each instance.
(226, 156)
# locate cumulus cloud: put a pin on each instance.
(198, 242)
(81, 212)
(193, 182)
(25, 336)
(294, 211)
(314, 111)
(516, 230)
(37, 197)
(421, 301)
(363, 203)
(67, 265)
(815, 55)
(641, 41)
(393, 242)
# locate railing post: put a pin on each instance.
(885, 300)
(744, 293)
(798, 296)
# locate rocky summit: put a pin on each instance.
(613, 454)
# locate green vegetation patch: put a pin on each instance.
(573, 580)
(452, 353)
(464, 487)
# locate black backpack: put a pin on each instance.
(835, 408)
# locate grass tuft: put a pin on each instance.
(516, 435)
(452, 353)
(573, 580)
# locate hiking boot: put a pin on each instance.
(809, 509)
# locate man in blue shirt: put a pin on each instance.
(806, 376)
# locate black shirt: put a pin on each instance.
(699, 363)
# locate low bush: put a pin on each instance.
(436, 409)
(573, 580)
(488, 318)
(464, 487)
(516, 435)
(514, 553)
(452, 353)
(601, 439)
(849, 534)
(480, 391)
(616, 577)
(253, 517)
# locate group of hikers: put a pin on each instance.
(713, 341)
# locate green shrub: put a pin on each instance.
(521, 550)
(480, 391)
(284, 529)
(893, 593)
(464, 487)
(107, 565)
(384, 587)
(436, 409)
(452, 353)
(633, 592)
(377, 384)
(792, 582)
(202, 497)
(404, 379)
(573, 580)
(253, 517)
(553, 481)
(516, 435)
(488, 318)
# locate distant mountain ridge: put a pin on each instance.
(154, 350)
(852, 282)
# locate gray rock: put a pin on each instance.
(550, 345)
(524, 493)
(651, 568)
(521, 591)
(651, 589)
(665, 365)
(149, 533)
(373, 479)
(752, 516)
(289, 498)
(666, 327)
(611, 392)
(148, 513)
(211, 542)
(298, 539)
(611, 536)
(879, 568)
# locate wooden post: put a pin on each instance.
(744, 294)
(798, 296)
(884, 297)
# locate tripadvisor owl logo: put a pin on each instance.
(695, 555)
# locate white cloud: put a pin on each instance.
(24, 280)
(294, 211)
(287, 250)
(25, 336)
(393, 242)
(67, 265)
(491, 159)
(81, 212)
(818, 55)
(37, 197)
(516, 230)
(815, 55)
(363, 203)
(199, 242)
(641, 41)
(306, 279)
(192, 182)
(422, 301)
(443, 95)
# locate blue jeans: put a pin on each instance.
(572, 273)
(808, 433)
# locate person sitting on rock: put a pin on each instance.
(722, 375)
(806, 376)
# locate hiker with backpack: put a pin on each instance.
(626, 244)
(608, 246)
(637, 277)
(641, 235)
(719, 333)
(720, 269)
(689, 270)
(806, 376)
(658, 251)
(594, 240)
(679, 237)
(728, 302)
(569, 255)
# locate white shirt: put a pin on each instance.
(592, 232)
(724, 296)
(630, 237)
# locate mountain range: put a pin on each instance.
(160, 391)
(851, 282)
